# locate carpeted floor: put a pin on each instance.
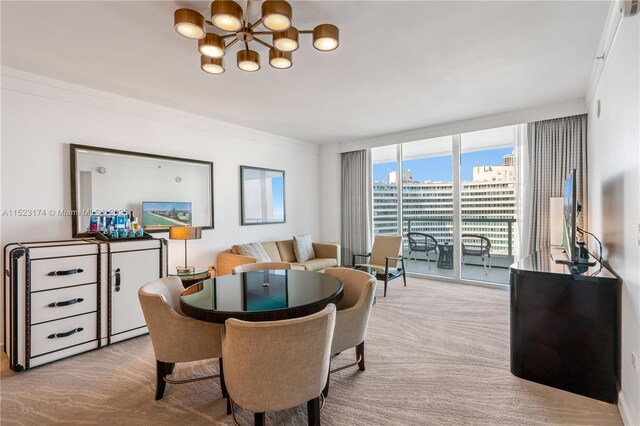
(437, 354)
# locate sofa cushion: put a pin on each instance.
(285, 248)
(317, 264)
(303, 248)
(272, 251)
(254, 250)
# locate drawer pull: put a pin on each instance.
(118, 279)
(66, 302)
(66, 334)
(67, 272)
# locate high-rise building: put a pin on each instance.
(488, 204)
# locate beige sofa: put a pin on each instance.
(327, 255)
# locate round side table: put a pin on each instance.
(199, 274)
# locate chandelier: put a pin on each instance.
(227, 15)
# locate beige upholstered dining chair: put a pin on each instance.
(275, 365)
(384, 258)
(174, 336)
(260, 266)
(353, 314)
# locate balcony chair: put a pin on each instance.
(477, 245)
(384, 258)
(352, 317)
(423, 243)
(174, 336)
(276, 365)
(260, 266)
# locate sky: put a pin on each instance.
(440, 168)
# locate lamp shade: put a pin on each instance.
(212, 45)
(280, 60)
(276, 15)
(226, 15)
(248, 60)
(286, 41)
(185, 233)
(326, 37)
(189, 23)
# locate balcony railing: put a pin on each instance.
(499, 231)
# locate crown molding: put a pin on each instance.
(526, 115)
(46, 87)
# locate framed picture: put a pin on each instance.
(262, 196)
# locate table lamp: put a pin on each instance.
(185, 233)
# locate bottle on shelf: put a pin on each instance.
(93, 221)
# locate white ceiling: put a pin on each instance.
(400, 65)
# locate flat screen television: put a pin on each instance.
(570, 213)
(161, 215)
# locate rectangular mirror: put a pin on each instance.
(262, 196)
(161, 191)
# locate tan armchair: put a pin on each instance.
(261, 266)
(384, 258)
(275, 365)
(353, 314)
(175, 337)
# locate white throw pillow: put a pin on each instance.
(303, 248)
(254, 250)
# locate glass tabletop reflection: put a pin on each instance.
(261, 295)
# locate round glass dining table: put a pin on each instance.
(261, 296)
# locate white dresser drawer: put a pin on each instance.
(55, 335)
(64, 302)
(63, 272)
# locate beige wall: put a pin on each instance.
(614, 191)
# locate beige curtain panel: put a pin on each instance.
(357, 203)
(555, 147)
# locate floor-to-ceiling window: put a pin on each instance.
(427, 206)
(488, 204)
(453, 199)
(385, 190)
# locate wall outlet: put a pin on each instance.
(634, 361)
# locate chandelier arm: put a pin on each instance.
(228, 35)
(264, 43)
(231, 44)
(262, 32)
(246, 46)
(305, 31)
(255, 24)
(246, 14)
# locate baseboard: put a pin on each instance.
(627, 417)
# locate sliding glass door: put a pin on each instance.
(488, 204)
(453, 200)
(427, 206)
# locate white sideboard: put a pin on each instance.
(62, 298)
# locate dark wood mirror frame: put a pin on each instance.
(74, 148)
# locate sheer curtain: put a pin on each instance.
(357, 202)
(550, 150)
(523, 188)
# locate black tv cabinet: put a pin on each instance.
(565, 326)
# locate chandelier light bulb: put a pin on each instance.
(276, 15)
(280, 60)
(211, 65)
(286, 41)
(248, 60)
(211, 45)
(226, 15)
(325, 37)
(189, 23)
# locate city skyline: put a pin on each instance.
(438, 169)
